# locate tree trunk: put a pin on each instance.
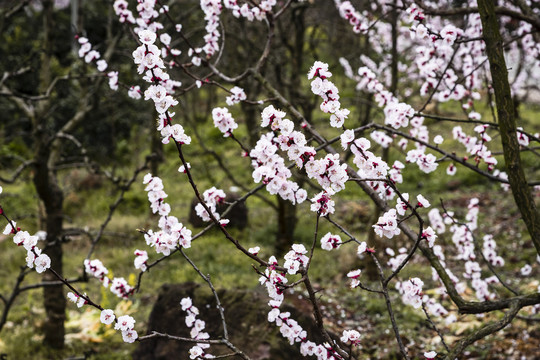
(286, 225)
(49, 193)
(52, 197)
(507, 122)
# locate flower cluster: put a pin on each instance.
(476, 147)
(212, 197)
(434, 50)
(172, 232)
(396, 260)
(34, 257)
(403, 206)
(140, 259)
(256, 12)
(323, 204)
(147, 13)
(411, 292)
(415, 297)
(121, 288)
(381, 138)
(462, 234)
(395, 172)
(90, 55)
(291, 330)
(121, 10)
(197, 326)
(354, 275)
(352, 336)
(426, 162)
(330, 242)
(117, 286)
(126, 324)
(368, 81)
(296, 258)
(328, 172)
(429, 235)
(288, 139)
(212, 10)
(272, 117)
(98, 270)
(147, 21)
(489, 251)
(224, 121)
(237, 95)
(415, 13)
(369, 165)
(269, 167)
(359, 22)
(324, 88)
(79, 300)
(438, 222)
(274, 281)
(148, 58)
(156, 195)
(473, 271)
(387, 225)
(175, 132)
(463, 239)
(397, 114)
(435, 308)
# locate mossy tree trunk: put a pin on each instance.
(507, 121)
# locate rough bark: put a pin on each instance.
(286, 225)
(507, 122)
(53, 297)
(51, 195)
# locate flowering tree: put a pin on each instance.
(419, 56)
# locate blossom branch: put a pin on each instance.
(384, 286)
(434, 327)
(206, 278)
(319, 318)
